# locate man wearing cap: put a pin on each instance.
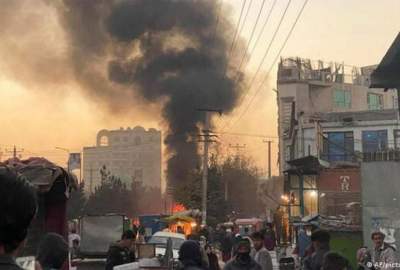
(320, 242)
(243, 260)
(121, 252)
(382, 253)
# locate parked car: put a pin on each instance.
(160, 240)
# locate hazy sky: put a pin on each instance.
(357, 32)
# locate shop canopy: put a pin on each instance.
(43, 174)
(177, 218)
(306, 165)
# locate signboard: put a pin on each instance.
(340, 180)
(98, 232)
(74, 161)
(345, 182)
(381, 200)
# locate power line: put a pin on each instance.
(249, 42)
(237, 28)
(273, 63)
(247, 135)
(244, 21)
(263, 58)
(263, 27)
(250, 39)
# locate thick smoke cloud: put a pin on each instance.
(164, 51)
(190, 77)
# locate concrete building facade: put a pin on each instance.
(329, 122)
(133, 154)
(330, 97)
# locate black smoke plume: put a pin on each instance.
(173, 52)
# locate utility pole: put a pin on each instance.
(15, 152)
(207, 134)
(269, 158)
(237, 147)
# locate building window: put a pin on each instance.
(342, 99)
(397, 139)
(138, 174)
(395, 102)
(374, 141)
(338, 146)
(104, 141)
(137, 140)
(375, 101)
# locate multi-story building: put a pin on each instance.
(131, 154)
(331, 98)
(329, 121)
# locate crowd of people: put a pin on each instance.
(18, 207)
(315, 254)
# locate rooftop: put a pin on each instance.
(296, 69)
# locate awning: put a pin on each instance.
(176, 218)
(387, 74)
(306, 165)
(42, 173)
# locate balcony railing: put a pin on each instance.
(388, 155)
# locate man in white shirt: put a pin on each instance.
(73, 236)
(261, 254)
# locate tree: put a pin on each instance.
(189, 193)
(77, 203)
(147, 200)
(111, 196)
(216, 204)
(241, 179)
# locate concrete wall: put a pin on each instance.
(341, 188)
(381, 200)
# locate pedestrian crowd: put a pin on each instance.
(18, 207)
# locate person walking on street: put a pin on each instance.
(383, 255)
(121, 252)
(142, 232)
(243, 260)
(18, 207)
(363, 259)
(335, 261)
(73, 236)
(190, 256)
(212, 258)
(52, 252)
(269, 238)
(261, 254)
(226, 246)
(320, 241)
(303, 243)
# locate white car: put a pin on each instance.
(160, 240)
